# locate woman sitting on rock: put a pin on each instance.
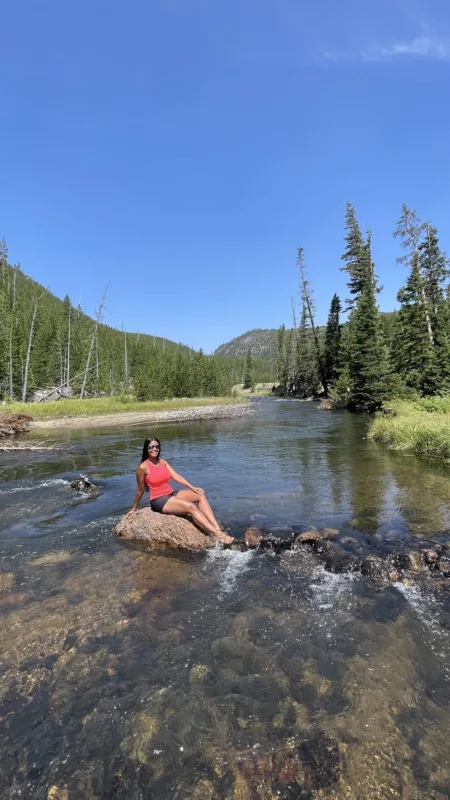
(155, 473)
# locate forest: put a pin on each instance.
(372, 357)
(47, 342)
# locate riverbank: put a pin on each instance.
(417, 426)
(185, 413)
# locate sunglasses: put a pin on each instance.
(154, 447)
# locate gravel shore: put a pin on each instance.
(133, 417)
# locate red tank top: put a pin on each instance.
(157, 479)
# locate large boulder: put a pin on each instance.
(163, 532)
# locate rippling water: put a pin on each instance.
(231, 675)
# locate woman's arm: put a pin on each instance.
(179, 479)
(140, 477)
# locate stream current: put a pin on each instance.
(234, 676)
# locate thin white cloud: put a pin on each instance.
(422, 46)
(426, 46)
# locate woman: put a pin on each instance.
(155, 473)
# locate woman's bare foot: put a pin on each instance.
(223, 537)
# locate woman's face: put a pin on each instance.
(153, 449)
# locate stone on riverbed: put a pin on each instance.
(307, 537)
(163, 532)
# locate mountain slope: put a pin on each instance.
(262, 343)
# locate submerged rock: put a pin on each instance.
(6, 581)
(307, 537)
(321, 761)
(201, 674)
(163, 532)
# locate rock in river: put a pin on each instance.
(379, 570)
(163, 532)
(84, 486)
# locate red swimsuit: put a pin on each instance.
(157, 480)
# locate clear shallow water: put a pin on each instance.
(234, 675)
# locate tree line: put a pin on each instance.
(371, 357)
(47, 342)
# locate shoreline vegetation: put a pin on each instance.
(420, 426)
(98, 412)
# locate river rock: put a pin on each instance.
(328, 533)
(379, 570)
(444, 565)
(410, 561)
(308, 537)
(252, 537)
(430, 556)
(163, 532)
(84, 486)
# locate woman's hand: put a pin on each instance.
(132, 511)
(197, 490)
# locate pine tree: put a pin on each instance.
(410, 229)
(305, 379)
(368, 367)
(413, 352)
(308, 305)
(434, 267)
(332, 340)
(248, 376)
(281, 358)
(357, 264)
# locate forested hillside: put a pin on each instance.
(45, 342)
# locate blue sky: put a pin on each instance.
(182, 151)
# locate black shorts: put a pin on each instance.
(159, 502)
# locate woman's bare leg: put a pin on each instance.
(205, 508)
(181, 508)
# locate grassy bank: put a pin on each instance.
(101, 406)
(419, 426)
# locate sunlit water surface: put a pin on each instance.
(233, 675)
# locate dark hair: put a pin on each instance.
(145, 449)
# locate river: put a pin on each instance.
(244, 676)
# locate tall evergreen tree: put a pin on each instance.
(333, 340)
(248, 376)
(282, 362)
(410, 230)
(434, 267)
(368, 368)
(308, 306)
(413, 351)
(305, 379)
(355, 257)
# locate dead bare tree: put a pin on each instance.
(98, 319)
(307, 299)
(30, 343)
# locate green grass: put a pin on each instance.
(98, 406)
(420, 426)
